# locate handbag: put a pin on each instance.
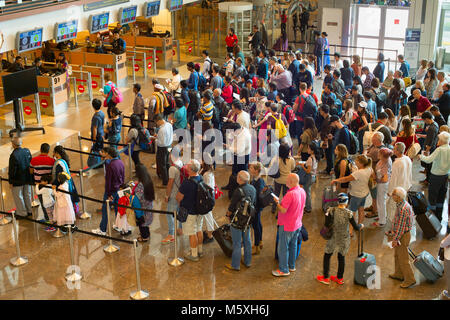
(413, 150)
(182, 214)
(327, 230)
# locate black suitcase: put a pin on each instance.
(429, 224)
(223, 237)
(418, 202)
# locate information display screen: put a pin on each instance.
(29, 40)
(175, 5)
(66, 31)
(151, 9)
(128, 15)
(20, 84)
(99, 22)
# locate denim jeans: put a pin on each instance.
(104, 222)
(115, 138)
(172, 206)
(22, 199)
(238, 237)
(307, 186)
(287, 249)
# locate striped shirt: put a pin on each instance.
(42, 165)
(207, 111)
(403, 220)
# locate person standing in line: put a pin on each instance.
(138, 103)
(97, 133)
(114, 178)
(245, 190)
(145, 193)
(290, 215)
(20, 178)
(114, 127)
(187, 198)
(445, 245)
(231, 40)
(174, 83)
(133, 138)
(400, 236)
(258, 183)
(164, 140)
(240, 144)
(383, 172)
(404, 67)
(338, 218)
(208, 177)
(108, 94)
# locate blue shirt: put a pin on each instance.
(379, 71)
(372, 107)
(98, 121)
(305, 77)
(193, 81)
(341, 136)
(263, 69)
(189, 189)
(180, 118)
(116, 126)
(185, 97)
(404, 68)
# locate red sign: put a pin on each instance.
(27, 110)
(157, 59)
(94, 84)
(136, 67)
(44, 103)
(397, 21)
(190, 49)
(149, 65)
(173, 51)
(81, 88)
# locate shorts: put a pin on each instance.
(356, 203)
(193, 225)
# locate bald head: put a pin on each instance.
(292, 180)
(243, 177)
(217, 92)
(417, 94)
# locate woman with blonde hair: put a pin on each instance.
(342, 166)
(361, 181)
(404, 113)
(444, 128)
(383, 172)
(422, 71)
(357, 66)
(407, 135)
(392, 123)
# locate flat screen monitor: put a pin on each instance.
(20, 84)
(175, 5)
(127, 15)
(99, 22)
(66, 31)
(29, 40)
(151, 9)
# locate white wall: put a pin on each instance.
(49, 19)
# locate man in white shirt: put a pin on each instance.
(164, 139)
(239, 116)
(439, 88)
(174, 84)
(207, 64)
(229, 64)
(338, 64)
(401, 176)
(240, 145)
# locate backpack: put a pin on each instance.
(216, 118)
(195, 101)
(367, 138)
(245, 212)
(380, 100)
(171, 106)
(354, 143)
(143, 140)
(288, 113)
(206, 198)
(280, 128)
(210, 67)
(201, 81)
(309, 108)
(117, 96)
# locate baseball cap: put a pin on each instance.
(363, 104)
(342, 197)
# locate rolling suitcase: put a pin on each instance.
(418, 202)
(428, 265)
(363, 262)
(429, 224)
(329, 199)
(223, 237)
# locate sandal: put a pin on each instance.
(377, 225)
(140, 239)
(371, 215)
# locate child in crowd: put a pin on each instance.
(208, 178)
(308, 177)
(64, 213)
(48, 202)
(121, 224)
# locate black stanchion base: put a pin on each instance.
(20, 130)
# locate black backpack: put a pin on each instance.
(354, 143)
(210, 70)
(216, 118)
(205, 198)
(309, 108)
(194, 101)
(245, 212)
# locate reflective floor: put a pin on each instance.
(112, 276)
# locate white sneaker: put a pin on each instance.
(154, 166)
(98, 231)
(115, 228)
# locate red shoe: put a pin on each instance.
(335, 279)
(323, 280)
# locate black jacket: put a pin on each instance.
(19, 167)
(444, 104)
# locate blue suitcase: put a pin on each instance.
(362, 263)
(428, 265)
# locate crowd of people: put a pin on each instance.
(368, 132)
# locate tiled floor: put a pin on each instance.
(112, 276)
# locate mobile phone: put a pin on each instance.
(275, 197)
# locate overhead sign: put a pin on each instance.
(127, 15)
(175, 5)
(66, 31)
(99, 22)
(102, 4)
(412, 46)
(151, 9)
(29, 40)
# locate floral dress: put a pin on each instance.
(340, 240)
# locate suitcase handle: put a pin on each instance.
(360, 242)
(411, 254)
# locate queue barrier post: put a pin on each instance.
(144, 59)
(19, 260)
(90, 91)
(75, 96)
(130, 163)
(110, 248)
(85, 214)
(139, 294)
(132, 67)
(3, 221)
(175, 261)
(74, 275)
(80, 147)
(154, 61)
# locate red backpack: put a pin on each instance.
(171, 100)
(289, 114)
(184, 173)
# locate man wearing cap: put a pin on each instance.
(158, 101)
(290, 214)
(20, 178)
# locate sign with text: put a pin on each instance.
(66, 31)
(412, 46)
(99, 22)
(29, 40)
(127, 15)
